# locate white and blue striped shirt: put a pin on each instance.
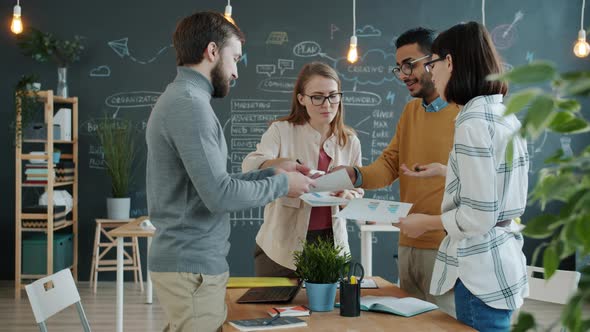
(482, 190)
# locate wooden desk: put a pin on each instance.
(132, 229)
(435, 320)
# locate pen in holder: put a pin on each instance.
(350, 299)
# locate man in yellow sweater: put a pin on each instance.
(424, 135)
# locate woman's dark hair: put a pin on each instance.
(195, 32)
(474, 58)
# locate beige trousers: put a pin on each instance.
(192, 302)
(415, 268)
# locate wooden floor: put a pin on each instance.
(16, 315)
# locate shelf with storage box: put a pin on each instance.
(46, 236)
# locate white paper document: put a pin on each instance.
(323, 198)
(382, 212)
(336, 181)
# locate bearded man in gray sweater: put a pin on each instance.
(189, 191)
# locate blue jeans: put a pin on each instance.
(474, 312)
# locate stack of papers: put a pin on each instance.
(323, 198)
(384, 212)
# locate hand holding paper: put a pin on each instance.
(336, 181)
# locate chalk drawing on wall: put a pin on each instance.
(373, 68)
(566, 147)
(504, 36)
(100, 71)
(306, 49)
(368, 31)
(266, 69)
(285, 64)
(333, 28)
(132, 99)
(360, 98)
(120, 47)
(530, 56)
(277, 84)
(277, 38)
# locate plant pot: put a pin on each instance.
(321, 297)
(118, 208)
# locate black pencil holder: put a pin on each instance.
(350, 299)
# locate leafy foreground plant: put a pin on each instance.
(565, 179)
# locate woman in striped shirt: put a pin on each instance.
(481, 256)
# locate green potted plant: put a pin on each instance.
(118, 144)
(44, 47)
(26, 102)
(320, 264)
(564, 181)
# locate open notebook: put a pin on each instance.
(407, 306)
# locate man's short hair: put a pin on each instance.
(421, 36)
(195, 32)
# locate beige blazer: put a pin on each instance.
(286, 219)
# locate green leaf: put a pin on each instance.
(580, 87)
(525, 322)
(536, 253)
(550, 261)
(575, 75)
(567, 122)
(557, 157)
(583, 230)
(539, 114)
(539, 227)
(510, 153)
(571, 105)
(571, 315)
(535, 72)
(519, 100)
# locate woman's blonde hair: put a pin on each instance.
(299, 114)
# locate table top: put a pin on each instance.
(132, 229)
(376, 227)
(435, 320)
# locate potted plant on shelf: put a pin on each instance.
(320, 265)
(26, 103)
(118, 144)
(44, 47)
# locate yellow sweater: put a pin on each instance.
(421, 137)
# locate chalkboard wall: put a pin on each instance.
(129, 60)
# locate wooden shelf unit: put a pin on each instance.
(49, 100)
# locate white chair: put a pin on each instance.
(52, 294)
(558, 289)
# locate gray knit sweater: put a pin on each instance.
(189, 191)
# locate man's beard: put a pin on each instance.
(426, 86)
(220, 84)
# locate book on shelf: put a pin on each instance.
(57, 209)
(407, 306)
(292, 311)
(259, 324)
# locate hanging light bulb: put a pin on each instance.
(227, 13)
(352, 52)
(17, 24)
(353, 55)
(581, 48)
